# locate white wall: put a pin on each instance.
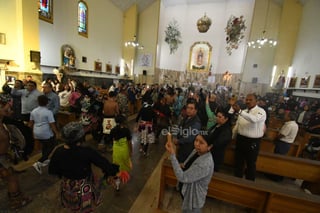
(187, 16)
(104, 40)
(306, 58)
(264, 57)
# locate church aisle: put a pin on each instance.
(139, 195)
(44, 189)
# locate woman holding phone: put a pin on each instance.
(194, 174)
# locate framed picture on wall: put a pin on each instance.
(292, 82)
(109, 68)
(199, 58)
(145, 60)
(45, 9)
(117, 69)
(35, 56)
(97, 66)
(316, 83)
(304, 82)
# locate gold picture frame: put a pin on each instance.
(293, 82)
(117, 70)
(316, 83)
(97, 66)
(200, 55)
(45, 8)
(109, 68)
(304, 82)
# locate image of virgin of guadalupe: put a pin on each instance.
(199, 60)
(68, 56)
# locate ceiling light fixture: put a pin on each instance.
(263, 41)
(134, 43)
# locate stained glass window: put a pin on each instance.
(45, 10)
(83, 18)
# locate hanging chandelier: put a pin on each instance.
(263, 41)
(134, 43)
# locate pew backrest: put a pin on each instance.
(288, 166)
(258, 196)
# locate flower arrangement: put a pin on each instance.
(173, 36)
(235, 32)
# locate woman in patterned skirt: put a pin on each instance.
(72, 163)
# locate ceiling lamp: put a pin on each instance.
(134, 43)
(263, 41)
(204, 24)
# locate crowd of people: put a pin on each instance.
(202, 123)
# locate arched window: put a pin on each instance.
(45, 10)
(83, 18)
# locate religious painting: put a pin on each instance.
(97, 66)
(145, 60)
(45, 9)
(109, 68)
(316, 83)
(304, 82)
(117, 70)
(200, 54)
(292, 82)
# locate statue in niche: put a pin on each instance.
(226, 78)
(68, 56)
(281, 80)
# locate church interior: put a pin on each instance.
(238, 47)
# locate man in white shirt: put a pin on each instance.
(287, 134)
(29, 98)
(285, 138)
(248, 131)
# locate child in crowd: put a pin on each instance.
(122, 146)
(44, 129)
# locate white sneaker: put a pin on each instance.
(45, 163)
(37, 167)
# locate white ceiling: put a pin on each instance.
(126, 4)
(143, 4)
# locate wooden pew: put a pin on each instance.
(257, 196)
(267, 145)
(287, 166)
(275, 123)
(305, 141)
(64, 117)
